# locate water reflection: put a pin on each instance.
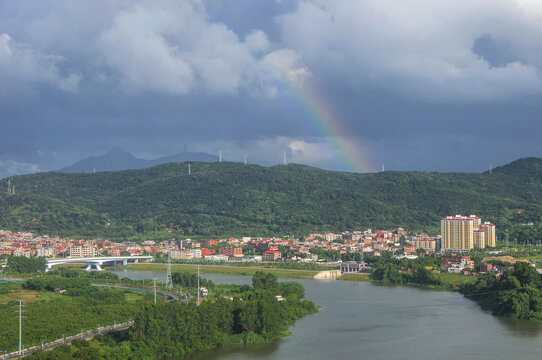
(521, 327)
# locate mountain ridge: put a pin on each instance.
(118, 159)
(234, 199)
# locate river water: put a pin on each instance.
(362, 320)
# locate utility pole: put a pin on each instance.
(189, 172)
(198, 284)
(245, 159)
(169, 280)
(219, 155)
(20, 327)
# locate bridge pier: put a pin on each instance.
(124, 262)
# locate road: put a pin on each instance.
(87, 335)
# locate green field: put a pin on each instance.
(227, 270)
(355, 277)
(17, 293)
(454, 279)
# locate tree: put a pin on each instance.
(264, 280)
(526, 274)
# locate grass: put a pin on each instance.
(133, 296)
(18, 293)
(227, 270)
(453, 279)
(355, 277)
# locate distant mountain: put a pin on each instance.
(118, 159)
(234, 199)
(531, 167)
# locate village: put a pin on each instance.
(347, 250)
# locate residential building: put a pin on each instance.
(457, 233)
(456, 263)
(181, 254)
(479, 239)
(217, 258)
(489, 234)
(427, 244)
(231, 251)
(271, 255)
(208, 243)
(476, 221)
(82, 251)
(45, 251)
(486, 267)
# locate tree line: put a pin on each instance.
(248, 315)
(232, 199)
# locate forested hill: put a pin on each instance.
(233, 199)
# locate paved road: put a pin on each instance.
(69, 339)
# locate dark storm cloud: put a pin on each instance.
(418, 85)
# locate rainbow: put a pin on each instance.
(330, 125)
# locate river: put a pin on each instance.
(362, 320)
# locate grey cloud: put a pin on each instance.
(151, 76)
(19, 63)
(421, 49)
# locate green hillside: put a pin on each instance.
(233, 199)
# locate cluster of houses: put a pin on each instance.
(233, 249)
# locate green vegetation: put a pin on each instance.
(391, 271)
(247, 315)
(24, 265)
(516, 293)
(114, 346)
(49, 316)
(234, 200)
(275, 265)
(51, 283)
(229, 270)
(185, 280)
(355, 277)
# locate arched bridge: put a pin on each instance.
(98, 262)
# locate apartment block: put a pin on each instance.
(82, 251)
(231, 251)
(457, 233)
(489, 234)
(427, 244)
(479, 239)
(462, 233)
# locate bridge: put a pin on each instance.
(98, 262)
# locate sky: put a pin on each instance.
(350, 85)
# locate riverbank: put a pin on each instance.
(448, 281)
(226, 270)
